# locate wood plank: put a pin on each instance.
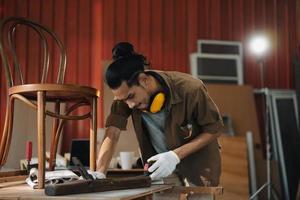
(201, 190)
(238, 102)
(10, 184)
(13, 178)
(194, 192)
(234, 176)
(99, 185)
(13, 173)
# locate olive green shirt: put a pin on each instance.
(191, 112)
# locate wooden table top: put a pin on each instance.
(23, 191)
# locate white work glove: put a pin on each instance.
(96, 174)
(164, 166)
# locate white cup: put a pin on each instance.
(126, 159)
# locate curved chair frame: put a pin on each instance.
(38, 94)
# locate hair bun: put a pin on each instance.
(122, 49)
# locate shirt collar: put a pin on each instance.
(174, 97)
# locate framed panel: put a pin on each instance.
(214, 68)
(285, 112)
(220, 47)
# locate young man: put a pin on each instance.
(180, 133)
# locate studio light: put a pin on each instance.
(259, 45)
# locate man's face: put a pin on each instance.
(136, 97)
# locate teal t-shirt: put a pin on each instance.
(155, 124)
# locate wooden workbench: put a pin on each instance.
(16, 188)
(158, 192)
(25, 192)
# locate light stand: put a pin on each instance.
(259, 46)
(271, 192)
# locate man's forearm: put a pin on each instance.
(199, 142)
(107, 148)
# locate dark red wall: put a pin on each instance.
(166, 31)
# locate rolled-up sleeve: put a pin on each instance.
(118, 116)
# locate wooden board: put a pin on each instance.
(237, 102)
(99, 185)
(191, 193)
(13, 178)
(234, 176)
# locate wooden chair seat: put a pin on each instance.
(61, 92)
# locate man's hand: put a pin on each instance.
(164, 166)
(97, 174)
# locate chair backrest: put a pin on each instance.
(8, 30)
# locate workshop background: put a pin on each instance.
(165, 31)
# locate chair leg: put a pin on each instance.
(41, 138)
(57, 135)
(5, 134)
(10, 127)
(93, 135)
(3, 140)
(53, 148)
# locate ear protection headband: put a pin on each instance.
(157, 102)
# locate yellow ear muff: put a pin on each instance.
(157, 103)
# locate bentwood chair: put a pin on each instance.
(37, 95)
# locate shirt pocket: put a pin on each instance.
(186, 131)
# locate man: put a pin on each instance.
(181, 135)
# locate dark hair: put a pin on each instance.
(126, 65)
